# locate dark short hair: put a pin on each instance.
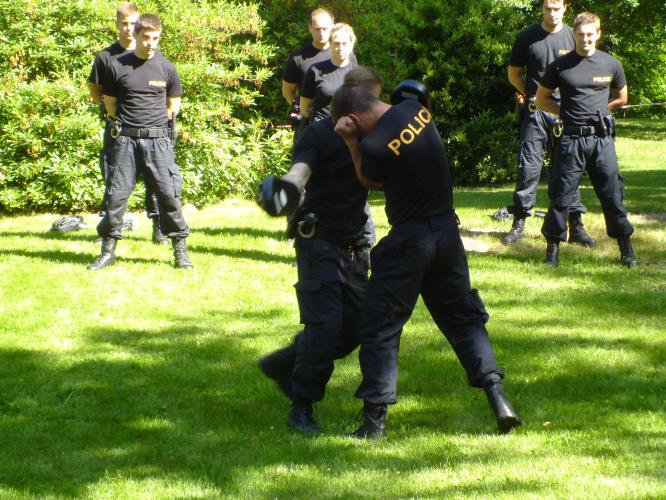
(351, 99)
(126, 9)
(364, 76)
(148, 22)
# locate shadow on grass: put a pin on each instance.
(188, 402)
(61, 257)
(241, 231)
(646, 130)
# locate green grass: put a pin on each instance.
(140, 381)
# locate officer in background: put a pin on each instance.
(585, 78)
(324, 78)
(332, 252)
(534, 49)
(126, 16)
(142, 93)
(398, 149)
(321, 23)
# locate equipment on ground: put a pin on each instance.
(69, 223)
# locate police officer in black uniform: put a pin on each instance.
(332, 252)
(585, 78)
(126, 16)
(141, 94)
(399, 149)
(324, 78)
(321, 23)
(534, 49)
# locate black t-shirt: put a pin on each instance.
(405, 152)
(300, 61)
(142, 87)
(321, 82)
(585, 84)
(535, 48)
(333, 192)
(102, 60)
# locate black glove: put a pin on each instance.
(277, 197)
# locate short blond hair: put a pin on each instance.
(587, 18)
(126, 9)
(344, 27)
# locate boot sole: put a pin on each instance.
(508, 423)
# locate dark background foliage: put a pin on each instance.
(230, 57)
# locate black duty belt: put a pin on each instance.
(145, 133)
(581, 131)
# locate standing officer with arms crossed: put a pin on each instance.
(585, 78)
(399, 149)
(126, 16)
(534, 49)
(332, 259)
(321, 23)
(141, 94)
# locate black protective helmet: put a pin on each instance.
(412, 89)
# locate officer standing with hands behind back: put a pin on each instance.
(534, 49)
(585, 78)
(321, 23)
(127, 15)
(142, 93)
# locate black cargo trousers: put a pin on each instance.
(152, 158)
(421, 256)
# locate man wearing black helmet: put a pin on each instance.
(398, 149)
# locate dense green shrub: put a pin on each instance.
(230, 56)
(50, 138)
(460, 50)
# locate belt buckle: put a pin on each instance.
(144, 133)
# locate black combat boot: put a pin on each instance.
(107, 255)
(627, 256)
(181, 259)
(577, 233)
(506, 416)
(301, 418)
(279, 367)
(552, 253)
(158, 236)
(516, 233)
(374, 422)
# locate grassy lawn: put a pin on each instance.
(140, 381)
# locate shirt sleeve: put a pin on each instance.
(291, 73)
(309, 87)
(97, 71)
(110, 86)
(519, 53)
(174, 87)
(619, 79)
(550, 77)
(371, 165)
(307, 149)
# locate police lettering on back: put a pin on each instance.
(411, 132)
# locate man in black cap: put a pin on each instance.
(398, 149)
(585, 78)
(534, 49)
(127, 15)
(141, 94)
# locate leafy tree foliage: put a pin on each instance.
(230, 56)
